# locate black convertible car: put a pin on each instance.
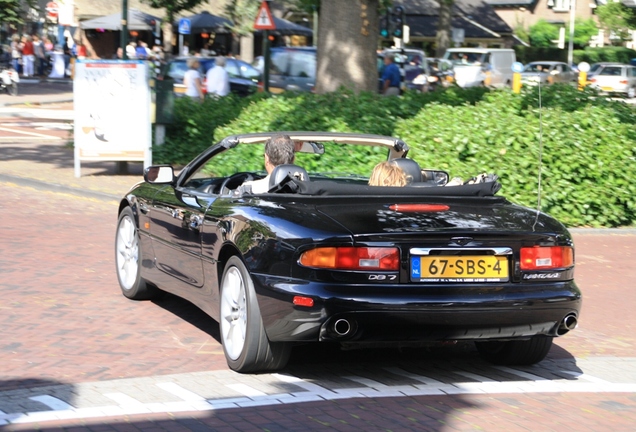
(324, 257)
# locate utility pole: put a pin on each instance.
(124, 28)
(571, 41)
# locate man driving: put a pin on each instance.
(279, 150)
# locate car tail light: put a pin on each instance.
(593, 80)
(352, 258)
(546, 258)
(303, 301)
(623, 81)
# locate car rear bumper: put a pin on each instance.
(414, 313)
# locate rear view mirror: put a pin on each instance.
(161, 174)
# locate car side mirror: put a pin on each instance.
(159, 174)
(439, 177)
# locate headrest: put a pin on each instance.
(282, 171)
(411, 168)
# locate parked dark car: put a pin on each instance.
(244, 78)
(324, 257)
(291, 69)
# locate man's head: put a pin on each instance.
(279, 150)
(388, 59)
(220, 61)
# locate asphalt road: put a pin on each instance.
(75, 353)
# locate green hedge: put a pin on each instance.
(588, 143)
(591, 55)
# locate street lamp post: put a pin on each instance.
(124, 28)
(571, 41)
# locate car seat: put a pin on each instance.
(411, 169)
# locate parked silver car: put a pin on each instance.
(547, 72)
(613, 78)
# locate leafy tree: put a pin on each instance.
(617, 19)
(12, 11)
(241, 13)
(172, 8)
(543, 34)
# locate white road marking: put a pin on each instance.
(28, 133)
(127, 405)
(246, 390)
(52, 402)
(180, 392)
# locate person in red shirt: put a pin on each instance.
(28, 56)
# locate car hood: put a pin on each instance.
(491, 214)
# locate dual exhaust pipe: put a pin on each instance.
(568, 323)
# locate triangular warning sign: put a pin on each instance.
(264, 19)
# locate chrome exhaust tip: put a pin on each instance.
(342, 327)
(568, 323)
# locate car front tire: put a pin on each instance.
(245, 343)
(127, 259)
(516, 352)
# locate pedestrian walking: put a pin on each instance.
(28, 56)
(192, 79)
(40, 55)
(390, 77)
(218, 80)
(16, 52)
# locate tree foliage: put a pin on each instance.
(172, 8)
(12, 11)
(543, 34)
(616, 19)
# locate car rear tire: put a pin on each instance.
(127, 259)
(245, 343)
(517, 352)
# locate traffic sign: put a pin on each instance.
(264, 19)
(184, 26)
(517, 67)
(52, 10)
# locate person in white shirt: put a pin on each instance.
(279, 150)
(218, 80)
(192, 79)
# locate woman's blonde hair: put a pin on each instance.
(387, 174)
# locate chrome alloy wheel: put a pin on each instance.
(233, 313)
(127, 252)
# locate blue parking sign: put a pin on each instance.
(184, 26)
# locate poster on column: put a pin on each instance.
(112, 111)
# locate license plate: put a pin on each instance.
(609, 89)
(439, 268)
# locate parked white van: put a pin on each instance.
(482, 66)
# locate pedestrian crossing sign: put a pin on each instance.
(264, 19)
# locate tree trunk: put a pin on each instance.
(347, 42)
(166, 26)
(443, 39)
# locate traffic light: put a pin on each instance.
(385, 24)
(398, 21)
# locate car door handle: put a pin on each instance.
(195, 222)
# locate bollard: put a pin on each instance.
(582, 80)
(516, 82)
(517, 68)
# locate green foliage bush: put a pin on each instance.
(604, 54)
(587, 143)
